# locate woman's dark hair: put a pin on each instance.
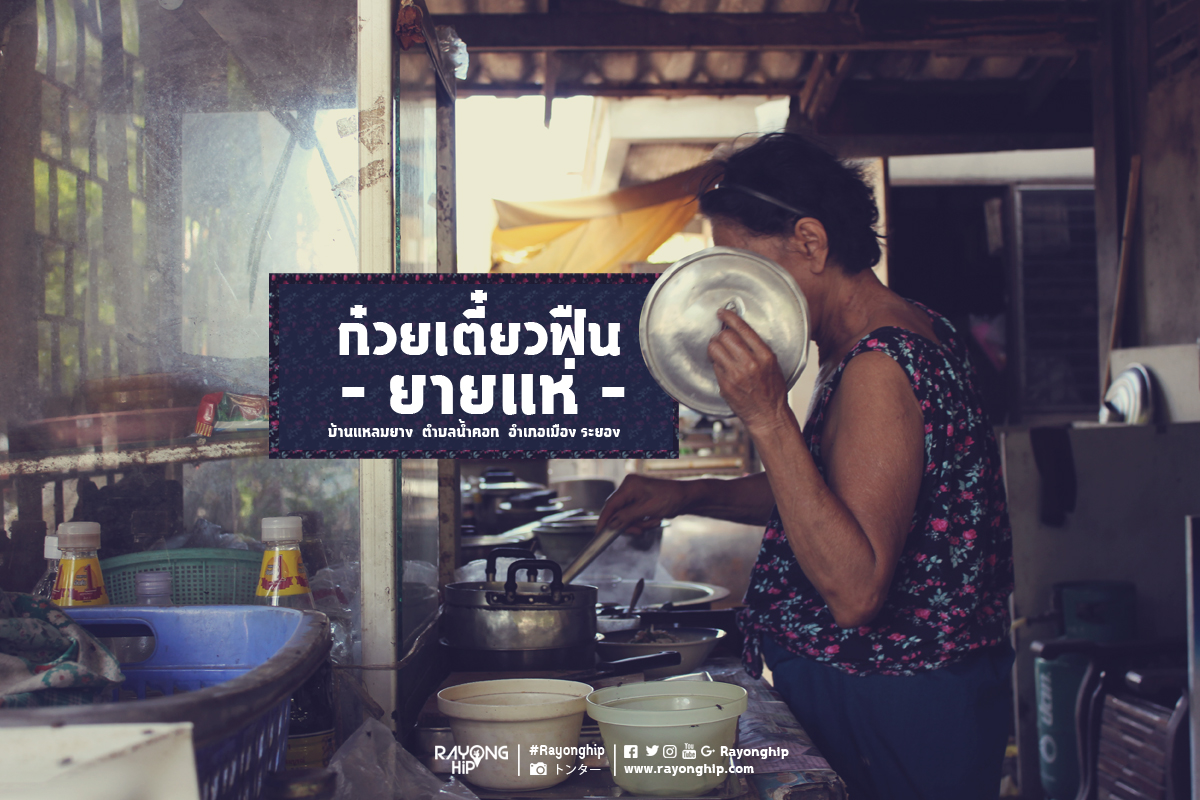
(802, 176)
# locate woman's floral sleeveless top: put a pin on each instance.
(949, 594)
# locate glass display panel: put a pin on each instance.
(165, 162)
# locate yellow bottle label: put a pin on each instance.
(309, 752)
(80, 583)
(282, 574)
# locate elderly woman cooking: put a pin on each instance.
(879, 597)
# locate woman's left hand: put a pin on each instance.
(748, 373)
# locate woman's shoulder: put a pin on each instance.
(913, 344)
(902, 345)
(935, 372)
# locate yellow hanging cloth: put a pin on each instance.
(595, 234)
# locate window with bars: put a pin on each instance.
(1057, 306)
(158, 165)
(88, 190)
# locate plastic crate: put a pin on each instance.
(199, 576)
(230, 671)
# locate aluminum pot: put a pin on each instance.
(493, 490)
(585, 493)
(520, 615)
(472, 548)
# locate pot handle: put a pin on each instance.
(533, 565)
(489, 569)
(632, 664)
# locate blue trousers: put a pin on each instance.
(939, 735)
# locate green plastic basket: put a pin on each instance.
(199, 576)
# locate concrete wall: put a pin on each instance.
(1167, 278)
(1135, 486)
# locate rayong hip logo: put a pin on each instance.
(463, 366)
(464, 759)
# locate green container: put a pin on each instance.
(1057, 682)
(1098, 611)
(199, 576)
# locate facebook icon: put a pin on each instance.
(631, 751)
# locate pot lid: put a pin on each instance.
(528, 596)
(679, 317)
(497, 540)
(508, 488)
(1130, 398)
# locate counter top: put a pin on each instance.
(767, 725)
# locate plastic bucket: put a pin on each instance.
(228, 670)
(499, 725)
(668, 738)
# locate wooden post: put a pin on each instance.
(1131, 197)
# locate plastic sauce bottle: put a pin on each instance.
(283, 580)
(80, 582)
(153, 589)
(44, 589)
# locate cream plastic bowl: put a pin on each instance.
(673, 732)
(495, 723)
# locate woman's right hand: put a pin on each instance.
(641, 504)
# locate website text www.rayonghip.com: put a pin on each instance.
(687, 769)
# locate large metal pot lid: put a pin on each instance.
(514, 538)
(526, 595)
(679, 318)
(508, 488)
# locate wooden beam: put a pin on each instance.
(868, 108)
(827, 90)
(1111, 149)
(946, 91)
(816, 72)
(574, 89)
(550, 84)
(825, 74)
(1048, 76)
(900, 144)
(986, 27)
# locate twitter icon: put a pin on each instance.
(652, 750)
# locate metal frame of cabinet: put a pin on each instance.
(384, 485)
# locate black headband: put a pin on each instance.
(766, 198)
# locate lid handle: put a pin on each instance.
(512, 551)
(737, 305)
(556, 585)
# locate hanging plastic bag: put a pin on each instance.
(371, 765)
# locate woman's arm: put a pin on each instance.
(642, 503)
(846, 530)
